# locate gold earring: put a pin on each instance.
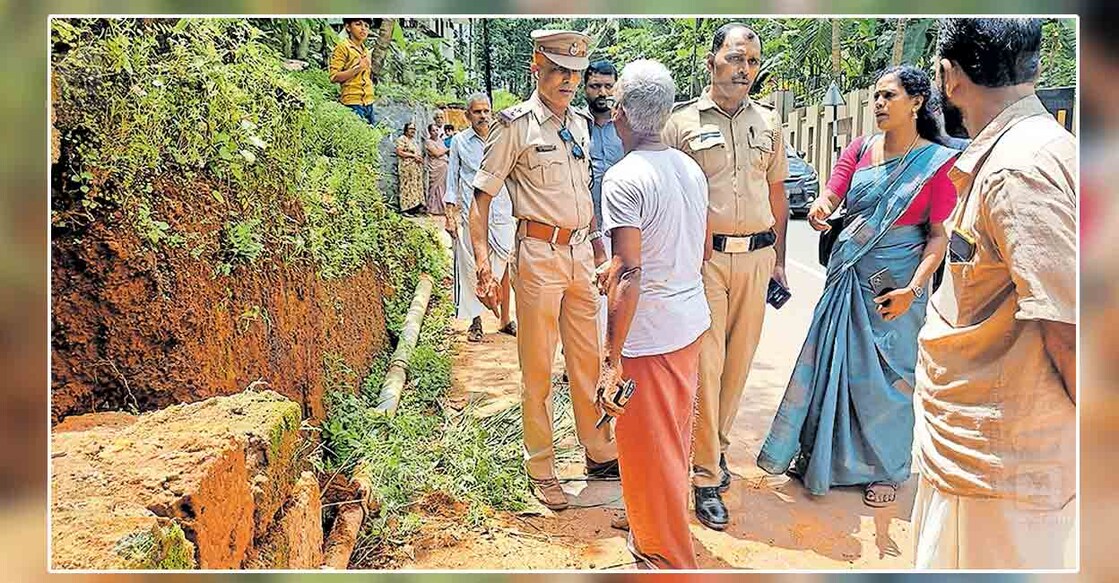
(914, 114)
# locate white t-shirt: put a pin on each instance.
(664, 194)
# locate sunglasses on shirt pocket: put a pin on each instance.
(576, 149)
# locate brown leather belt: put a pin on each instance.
(550, 233)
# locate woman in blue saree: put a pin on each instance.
(847, 414)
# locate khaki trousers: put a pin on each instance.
(735, 285)
(956, 532)
(557, 299)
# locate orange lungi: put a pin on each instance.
(654, 440)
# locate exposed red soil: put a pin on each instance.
(137, 327)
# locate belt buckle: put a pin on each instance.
(736, 245)
(555, 235)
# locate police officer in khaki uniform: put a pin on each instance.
(739, 145)
(540, 150)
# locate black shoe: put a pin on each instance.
(724, 481)
(603, 471)
(709, 508)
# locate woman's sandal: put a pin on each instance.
(510, 329)
(880, 494)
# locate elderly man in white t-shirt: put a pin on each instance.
(654, 207)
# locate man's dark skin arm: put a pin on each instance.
(624, 288)
(780, 206)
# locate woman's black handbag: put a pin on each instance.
(828, 239)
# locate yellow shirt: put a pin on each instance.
(741, 154)
(993, 417)
(358, 90)
(546, 182)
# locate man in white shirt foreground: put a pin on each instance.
(654, 207)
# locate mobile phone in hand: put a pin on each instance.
(777, 294)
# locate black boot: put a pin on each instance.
(724, 480)
(603, 471)
(709, 508)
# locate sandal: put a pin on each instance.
(474, 333)
(510, 329)
(880, 494)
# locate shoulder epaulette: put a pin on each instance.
(766, 105)
(507, 115)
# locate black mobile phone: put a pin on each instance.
(777, 294)
(882, 282)
(961, 247)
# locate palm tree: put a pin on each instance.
(836, 53)
(381, 46)
(899, 42)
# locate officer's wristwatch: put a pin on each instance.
(918, 291)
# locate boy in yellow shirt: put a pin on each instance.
(350, 66)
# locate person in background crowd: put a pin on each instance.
(409, 171)
(436, 170)
(465, 159)
(448, 133)
(606, 146)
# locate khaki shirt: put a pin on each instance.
(546, 182)
(741, 154)
(993, 417)
(358, 90)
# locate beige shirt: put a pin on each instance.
(993, 417)
(741, 154)
(546, 181)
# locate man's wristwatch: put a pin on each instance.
(918, 291)
(595, 235)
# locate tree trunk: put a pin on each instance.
(486, 56)
(328, 38)
(381, 47)
(836, 53)
(695, 54)
(304, 40)
(899, 42)
(285, 37)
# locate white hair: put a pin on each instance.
(646, 93)
(477, 97)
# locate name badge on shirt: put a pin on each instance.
(546, 148)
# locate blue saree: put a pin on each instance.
(847, 414)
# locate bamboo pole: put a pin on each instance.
(343, 536)
(393, 385)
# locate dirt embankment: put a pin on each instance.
(137, 326)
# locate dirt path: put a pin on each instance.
(775, 523)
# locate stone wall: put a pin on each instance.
(217, 484)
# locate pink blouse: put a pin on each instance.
(932, 205)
